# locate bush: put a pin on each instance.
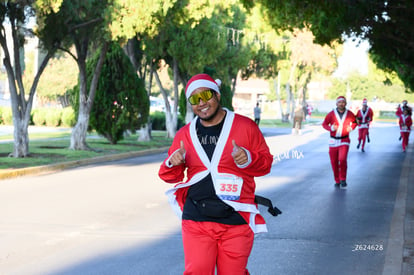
(6, 116)
(390, 114)
(68, 117)
(53, 117)
(158, 121)
(121, 101)
(39, 116)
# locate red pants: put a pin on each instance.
(405, 137)
(362, 135)
(210, 244)
(339, 156)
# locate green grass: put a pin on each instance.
(53, 147)
(274, 123)
(60, 134)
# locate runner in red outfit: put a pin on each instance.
(364, 118)
(339, 122)
(405, 127)
(399, 112)
(401, 107)
(214, 160)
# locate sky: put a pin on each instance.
(354, 57)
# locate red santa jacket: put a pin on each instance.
(225, 173)
(400, 110)
(405, 123)
(364, 118)
(344, 125)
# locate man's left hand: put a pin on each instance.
(238, 154)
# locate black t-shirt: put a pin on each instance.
(203, 190)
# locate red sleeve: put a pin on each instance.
(327, 122)
(398, 112)
(409, 122)
(247, 135)
(353, 119)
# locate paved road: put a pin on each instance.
(113, 218)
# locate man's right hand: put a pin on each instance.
(178, 157)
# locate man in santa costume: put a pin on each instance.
(364, 117)
(400, 109)
(339, 122)
(405, 123)
(213, 161)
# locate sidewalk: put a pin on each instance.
(408, 246)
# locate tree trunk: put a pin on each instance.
(21, 108)
(130, 49)
(174, 117)
(21, 138)
(145, 132)
(290, 95)
(286, 114)
(233, 88)
(79, 131)
(171, 124)
(170, 118)
(189, 115)
(305, 88)
(277, 89)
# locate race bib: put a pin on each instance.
(228, 187)
(334, 142)
(404, 127)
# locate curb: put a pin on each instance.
(76, 163)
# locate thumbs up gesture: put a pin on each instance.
(238, 154)
(178, 157)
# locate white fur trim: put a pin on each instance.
(340, 99)
(201, 83)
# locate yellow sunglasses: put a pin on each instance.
(205, 95)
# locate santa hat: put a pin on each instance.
(202, 81)
(364, 101)
(340, 98)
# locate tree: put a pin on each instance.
(293, 55)
(15, 15)
(308, 59)
(386, 25)
(211, 33)
(189, 25)
(121, 102)
(132, 20)
(270, 53)
(60, 75)
(377, 84)
(79, 23)
(238, 51)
